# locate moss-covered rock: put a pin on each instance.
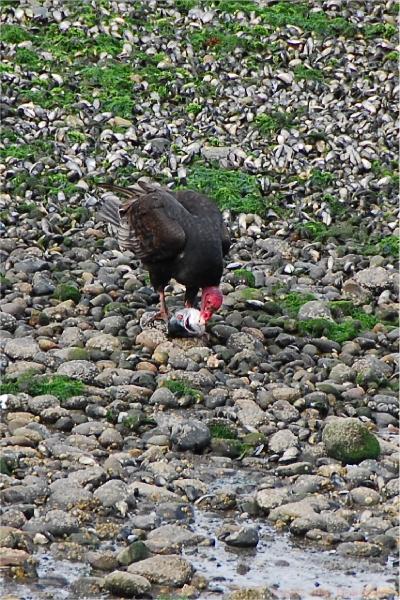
(78, 354)
(4, 466)
(127, 585)
(221, 429)
(228, 447)
(349, 441)
(244, 276)
(134, 552)
(67, 291)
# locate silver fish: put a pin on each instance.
(186, 322)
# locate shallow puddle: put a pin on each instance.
(55, 578)
(278, 562)
(283, 566)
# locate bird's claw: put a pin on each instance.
(160, 316)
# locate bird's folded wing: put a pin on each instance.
(151, 224)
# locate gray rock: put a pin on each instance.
(170, 539)
(103, 342)
(55, 522)
(52, 414)
(349, 441)
(31, 265)
(154, 493)
(358, 549)
(25, 493)
(42, 284)
(215, 152)
(259, 593)
(308, 484)
(285, 393)
(169, 569)
(282, 440)
(11, 537)
(373, 277)
(104, 560)
(241, 341)
(108, 275)
(65, 495)
(111, 437)
(371, 369)
(383, 419)
(223, 332)
(127, 585)
(16, 309)
(375, 525)
(13, 518)
(7, 322)
(269, 498)
(341, 373)
(333, 523)
(283, 411)
(242, 537)
(250, 415)
(315, 309)
(112, 325)
(71, 336)
(364, 496)
(93, 476)
(90, 428)
(190, 435)
(83, 370)
(159, 145)
(14, 557)
(146, 522)
(112, 492)
(300, 525)
(295, 468)
(39, 403)
(164, 397)
(308, 507)
(22, 348)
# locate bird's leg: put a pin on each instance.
(163, 314)
(190, 297)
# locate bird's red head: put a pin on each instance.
(211, 300)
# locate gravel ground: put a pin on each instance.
(133, 465)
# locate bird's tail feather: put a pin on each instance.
(109, 211)
(128, 193)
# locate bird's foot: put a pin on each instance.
(161, 315)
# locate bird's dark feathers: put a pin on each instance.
(180, 235)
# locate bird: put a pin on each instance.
(176, 234)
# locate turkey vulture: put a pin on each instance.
(178, 235)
